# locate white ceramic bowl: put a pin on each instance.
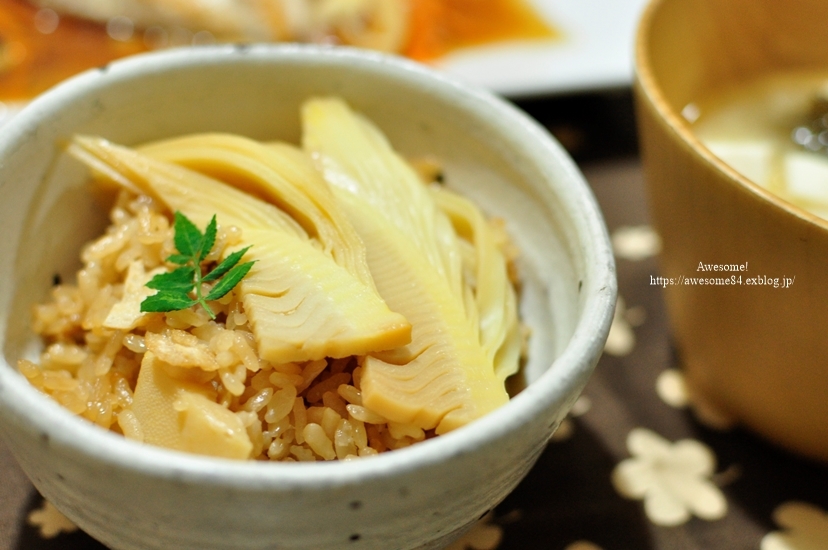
(132, 496)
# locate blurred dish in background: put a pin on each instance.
(45, 41)
(376, 24)
(517, 48)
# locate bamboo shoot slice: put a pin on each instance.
(184, 416)
(302, 305)
(494, 294)
(443, 379)
(280, 174)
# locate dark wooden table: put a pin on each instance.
(568, 501)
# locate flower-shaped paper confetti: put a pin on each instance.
(567, 427)
(621, 337)
(635, 242)
(484, 535)
(806, 528)
(671, 478)
(50, 522)
(671, 389)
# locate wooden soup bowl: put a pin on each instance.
(756, 355)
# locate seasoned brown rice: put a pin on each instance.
(292, 412)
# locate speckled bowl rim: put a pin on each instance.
(570, 369)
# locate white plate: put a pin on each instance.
(595, 52)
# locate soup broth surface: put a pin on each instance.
(774, 131)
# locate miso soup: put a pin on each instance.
(774, 131)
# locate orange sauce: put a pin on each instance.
(438, 27)
(32, 60)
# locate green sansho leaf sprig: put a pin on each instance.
(177, 288)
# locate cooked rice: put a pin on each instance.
(292, 412)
